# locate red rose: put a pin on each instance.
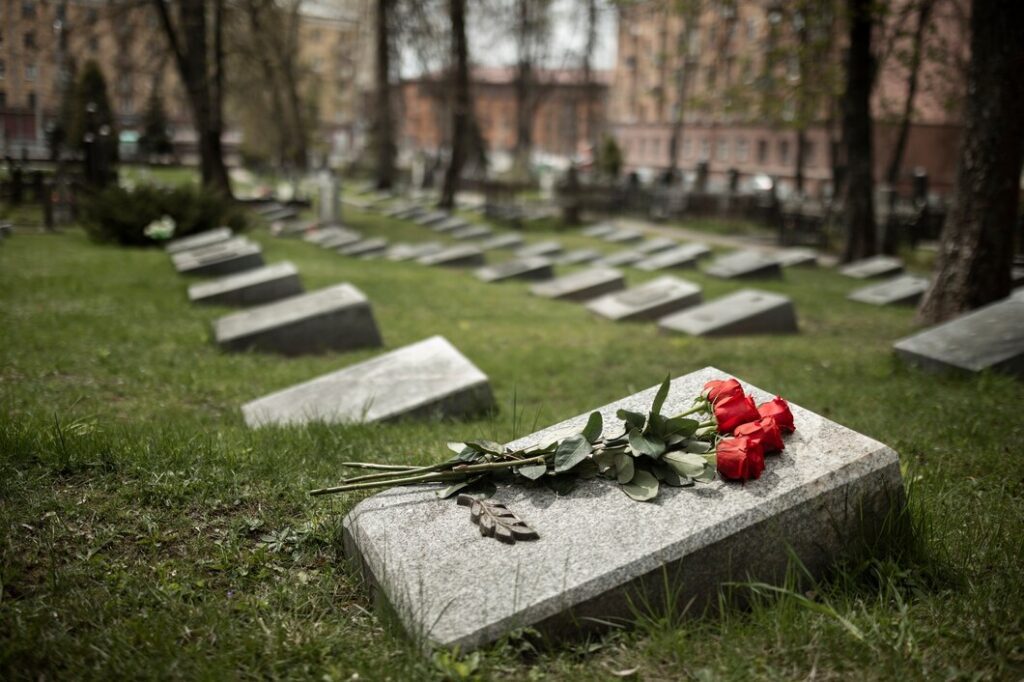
(766, 432)
(739, 458)
(734, 410)
(778, 409)
(720, 389)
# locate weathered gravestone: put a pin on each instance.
(991, 337)
(471, 232)
(901, 290)
(648, 301)
(428, 379)
(432, 218)
(210, 262)
(267, 208)
(293, 228)
(744, 264)
(545, 248)
(621, 236)
(581, 286)
(623, 257)
(876, 266)
(747, 311)
(579, 256)
(536, 267)
(216, 247)
(682, 256)
(399, 210)
(200, 240)
(598, 230)
(403, 252)
(333, 237)
(502, 241)
(252, 287)
(600, 554)
(281, 214)
(365, 247)
(335, 318)
(656, 245)
(450, 225)
(796, 256)
(459, 256)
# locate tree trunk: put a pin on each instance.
(975, 255)
(299, 143)
(384, 128)
(859, 215)
(924, 10)
(801, 159)
(461, 106)
(590, 115)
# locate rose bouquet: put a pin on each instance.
(725, 433)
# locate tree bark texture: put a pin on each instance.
(384, 124)
(975, 255)
(859, 214)
(461, 105)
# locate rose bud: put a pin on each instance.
(735, 410)
(739, 458)
(778, 409)
(720, 389)
(766, 432)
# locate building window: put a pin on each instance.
(752, 29)
(32, 101)
(762, 151)
(28, 9)
(809, 153)
(742, 150)
(705, 149)
(722, 150)
(783, 152)
(30, 72)
(687, 148)
(30, 40)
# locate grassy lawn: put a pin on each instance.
(145, 532)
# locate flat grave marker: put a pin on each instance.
(656, 245)
(623, 236)
(502, 241)
(458, 256)
(199, 240)
(748, 311)
(365, 247)
(581, 286)
(535, 267)
(404, 252)
(252, 287)
(333, 237)
(450, 225)
(580, 256)
(427, 379)
(796, 256)
(432, 218)
(471, 232)
(600, 553)
(244, 256)
(648, 301)
(599, 230)
(682, 256)
(744, 265)
(548, 248)
(876, 266)
(900, 290)
(623, 257)
(335, 318)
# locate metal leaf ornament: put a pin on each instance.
(497, 521)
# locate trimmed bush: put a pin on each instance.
(119, 215)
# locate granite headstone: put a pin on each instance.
(748, 311)
(648, 301)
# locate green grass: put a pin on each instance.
(145, 532)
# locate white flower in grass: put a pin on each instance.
(160, 229)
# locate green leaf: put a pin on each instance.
(643, 487)
(488, 446)
(586, 469)
(659, 398)
(686, 464)
(698, 447)
(624, 469)
(604, 460)
(668, 475)
(649, 445)
(563, 485)
(595, 425)
(571, 452)
(532, 471)
(470, 454)
(634, 419)
(453, 488)
(680, 426)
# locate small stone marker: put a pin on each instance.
(623, 237)
(901, 290)
(428, 379)
(600, 554)
(200, 240)
(336, 318)
(535, 267)
(991, 337)
(472, 232)
(502, 241)
(403, 252)
(599, 230)
(648, 301)
(682, 256)
(624, 257)
(656, 245)
(459, 256)
(796, 257)
(450, 225)
(744, 264)
(581, 286)
(580, 256)
(293, 228)
(241, 257)
(748, 311)
(252, 287)
(546, 248)
(202, 251)
(270, 207)
(365, 247)
(876, 266)
(333, 237)
(432, 218)
(281, 214)
(398, 211)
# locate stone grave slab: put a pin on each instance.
(502, 241)
(335, 318)
(222, 262)
(876, 266)
(580, 257)
(397, 211)
(656, 245)
(431, 217)
(217, 247)
(200, 240)
(459, 256)
(682, 256)
(365, 247)
(404, 252)
(293, 228)
(748, 311)
(535, 267)
(264, 209)
(341, 239)
(471, 232)
(252, 287)
(546, 248)
(428, 379)
(279, 214)
(623, 257)
(598, 230)
(581, 286)
(621, 236)
(357, 204)
(648, 301)
(600, 553)
(409, 213)
(450, 225)
(744, 265)
(991, 337)
(796, 256)
(900, 290)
